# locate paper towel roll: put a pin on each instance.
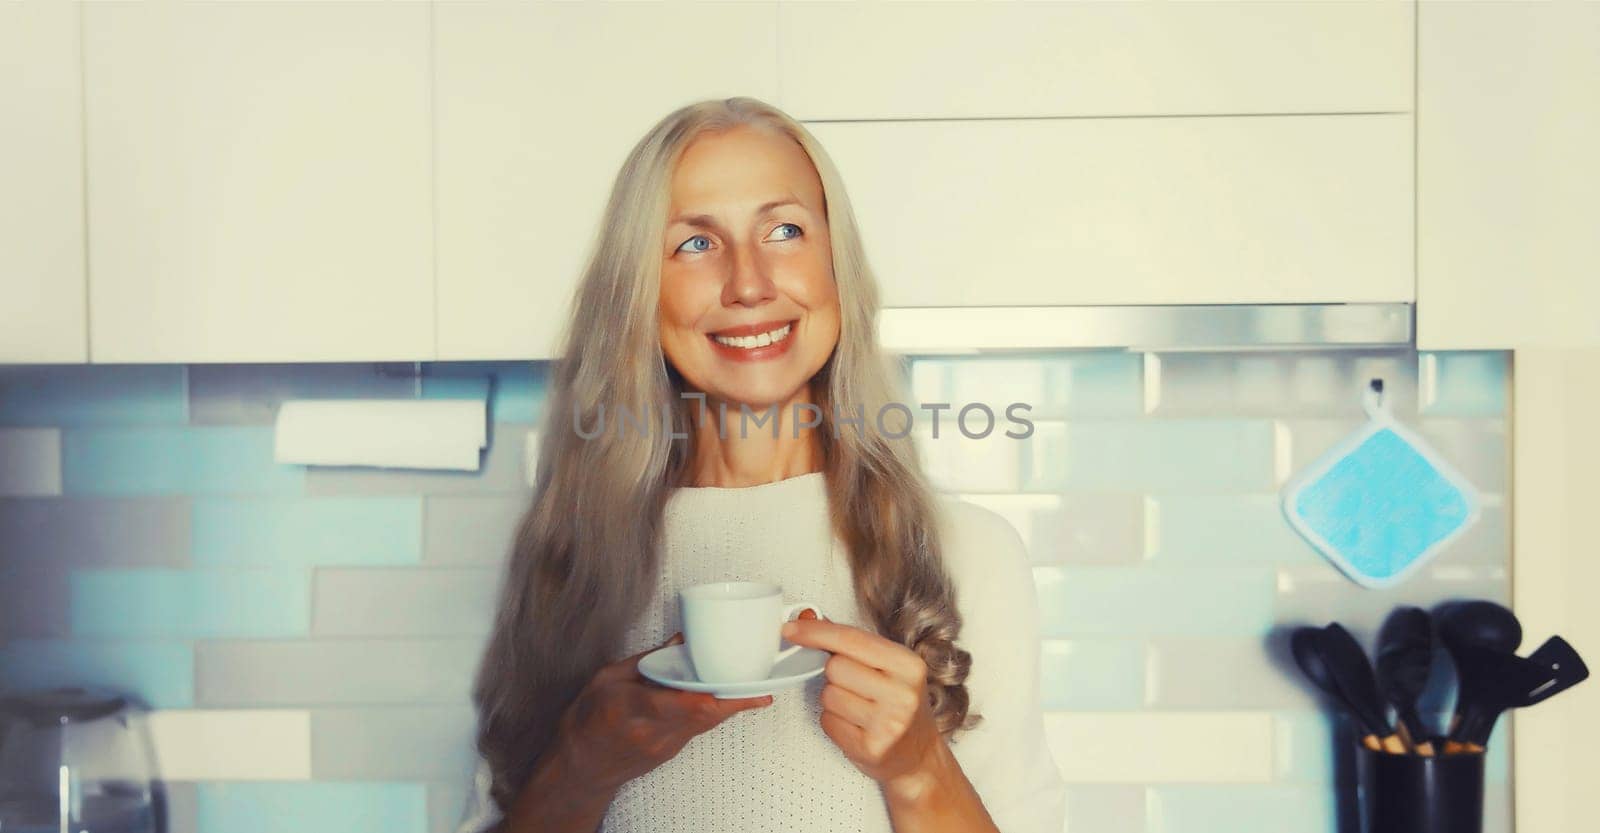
(391, 433)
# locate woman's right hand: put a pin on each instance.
(622, 725)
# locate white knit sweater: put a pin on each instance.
(773, 769)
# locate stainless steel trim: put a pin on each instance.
(944, 330)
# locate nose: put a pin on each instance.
(748, 284)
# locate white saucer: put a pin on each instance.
(670, 667)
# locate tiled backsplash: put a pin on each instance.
(328, 620)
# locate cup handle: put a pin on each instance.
(789, 612)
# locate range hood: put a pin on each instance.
(1172, 328)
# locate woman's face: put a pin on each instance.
(749, 311)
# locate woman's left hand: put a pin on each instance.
(875, 706)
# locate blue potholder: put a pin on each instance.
(1381, 502)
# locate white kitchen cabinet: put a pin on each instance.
(538, 105)
(997, 60)
(1282, 209)
(1554, 572)
(1508, 148)
(43, 317)
(259, 181)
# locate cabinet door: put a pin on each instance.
(259, 181)
(1508, 160)
(1287, 209)
(42, 314)
(538, 104)
(992, 60)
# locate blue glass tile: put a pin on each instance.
(1469, 383)
(311, 807)
(1225, 530)
(160, 674)
(175, 460)
(1092, 675)
(1152, 455)
(1305, 746)
(1053, 385)
(195, 604)
(1242, 808)
(1095, 383)
(1128, 601)
(76, 395)
(307, 531)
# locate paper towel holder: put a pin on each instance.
(414, 372)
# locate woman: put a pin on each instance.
(728, 219)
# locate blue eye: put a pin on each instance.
(691, 240)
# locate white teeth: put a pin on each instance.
(752, 342)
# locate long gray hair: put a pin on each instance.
(584, 558)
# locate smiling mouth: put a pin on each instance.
(753, 337)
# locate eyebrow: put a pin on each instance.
(706, 221)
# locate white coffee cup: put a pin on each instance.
(733, 628)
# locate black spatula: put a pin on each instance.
(1405, 658)
(1506, 681)
(1311, 656)
(1348, 662)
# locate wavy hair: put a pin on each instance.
(581, 572)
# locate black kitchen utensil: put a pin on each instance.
(1475, 633)
(1491, 681)
(1352, 672)
(1404, 660)
(1480, 622)
(1306, 645)
(1563, 661)
(1501, 681)
(1308, 655)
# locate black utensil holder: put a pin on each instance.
(1418, 794)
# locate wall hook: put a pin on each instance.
(1372, 401)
